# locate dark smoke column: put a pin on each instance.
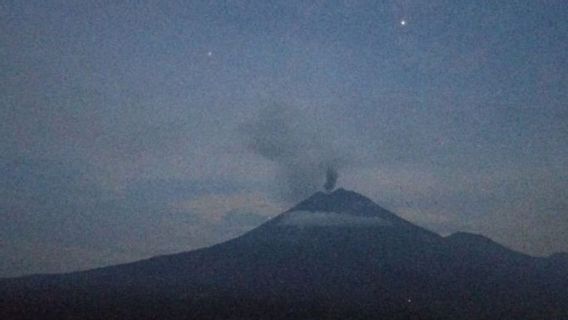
(303, 156)
(331, 176)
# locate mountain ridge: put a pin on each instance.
(320, 259)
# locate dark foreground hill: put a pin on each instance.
(333, 256)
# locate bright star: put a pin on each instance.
(403, 22)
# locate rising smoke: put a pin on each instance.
(306, 160)
(331, 176)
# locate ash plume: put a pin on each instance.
(306, 159)
(331, 176)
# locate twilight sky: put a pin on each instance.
(151, 127)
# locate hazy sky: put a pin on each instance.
(153, 127)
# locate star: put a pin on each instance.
(402, 22)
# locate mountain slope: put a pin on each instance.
(334, 255)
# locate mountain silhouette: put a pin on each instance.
(334, 255)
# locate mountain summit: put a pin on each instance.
(340, 200)
(342, 215)
(332, 256)
(350, 203)
(346, 202)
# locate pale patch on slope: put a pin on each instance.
(329, 219)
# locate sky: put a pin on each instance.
(139, 128)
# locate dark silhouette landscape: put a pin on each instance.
(335, 255)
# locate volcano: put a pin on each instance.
(334, 255)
